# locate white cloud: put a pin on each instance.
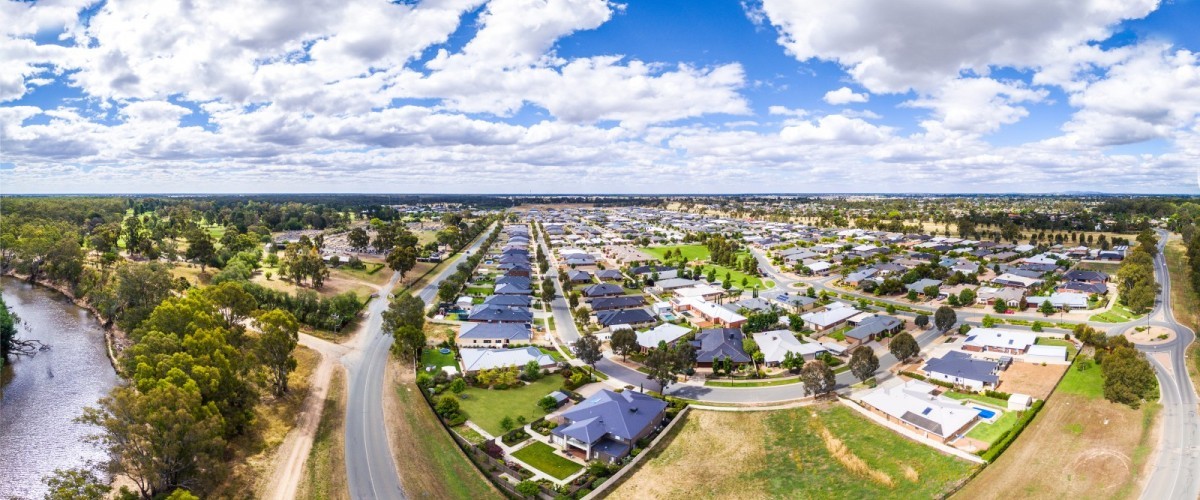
(978, 105)
(835, 129)
(844, 96)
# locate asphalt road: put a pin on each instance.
(370, 468)
(1177, 467)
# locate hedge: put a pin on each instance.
(1009, 436)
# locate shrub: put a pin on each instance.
(1008, 437)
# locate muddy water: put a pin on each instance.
(41, 396)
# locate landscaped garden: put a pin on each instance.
(1118, 314)
(488, 407)
(541, 456)
(991, 432)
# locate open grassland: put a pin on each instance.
(429, 462)
(690, 252)
(487, 407)
(254, 453)
(1079, 446)
(325, 469)
(824, 451)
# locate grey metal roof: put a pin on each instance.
(624, 317)
(873, 325)
(720, 343)
(624, 415)
(505, 331)
(961, 364)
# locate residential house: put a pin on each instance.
(919, 406)
(705, 311)
(618, 302)
(666, 332)
(1063, 300)
(872, 328)
(999, 340)
(579, 276)
(624, 317)
(959, 368)
(492, 335)
(608, 425)
(719, 343)
(492, 313)
(602, 290)
(474, 360)
(834, 316)
(775, 345)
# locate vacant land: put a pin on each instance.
(324, 472)
(487, 407)
(825, 451)
(1079, 446)
(1031, 378)
(1118, 314)
(1186, 302)
(690, 252)
(430, 464)
(1109, 268)
(541, 456)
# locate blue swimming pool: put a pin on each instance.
(984, 413)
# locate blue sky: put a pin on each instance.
(592, 96)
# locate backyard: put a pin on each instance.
(541, 456)
(990, 432)
(487, 407)
(824, 451)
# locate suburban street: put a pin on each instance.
(370, 469)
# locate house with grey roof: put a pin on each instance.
(602, 290)
(920, 285)
(959, 368)
(629, 317)
(618, 302)
(509, 300)
(492, 313)
(609, 275)
(608, 425)
(492, 335)
(871, 328)
(474, 360)
(719, 343)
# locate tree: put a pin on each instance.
(402, 259)
(200, 248)
(1128, 377)
(1046, 308)
(988, 321)
(1000, 306)
(447, 407)
(966, 297)
(75, 484)
(528, 489)
(911, 296)
(587, 349)
(547, 403)
(922, 320)
(660, 366)
(818, 378)
(623, 342)
(952, 300)
(791, 362)
(795, 323)
(944, 318)
(278, 335)
(358, 239)
(863, 363)
(931, 291)
(903, 346)
(506, 423)
(405, 321)
(547, 290)
(161, 439)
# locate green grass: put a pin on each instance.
(1088, 383)
(690, 252)
(469, 434)
(486, 408)
(1118, 314)
(840, 333)
(797, 459)
(979, 398)
(432, 357)
(757, 383)
(553, 353)
(1059, 342)
(541, 456)
(989, 433)
(480, 290)
(735, 277)
(433, 458)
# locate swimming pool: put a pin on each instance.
(984, 413)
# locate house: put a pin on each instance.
(919, 406)
(493, 334)
(602, 290)
(832, 317)
(1015, 281)
(775, 345)
(959, 368)
(512, 289)
(491, 313)
(1049, 353)
(1063, 300)
(607, 425)
(624, 317)
(719, 343)
(795, 303)
(819, 268)
(871, 328)
(1011, 297)
(709, 312)
(1085, 276)
(663, 272)
(618, 302)
(580, 259)
(856, 278)
(700, 291)
(579, 276)
(920, 285)
(666, 332)
(999, 340)
(474, 360)
(509, 300)
(609, 275)
(672, 284)
(1082, 287)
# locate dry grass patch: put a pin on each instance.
(325, 469)
(1031, 378)
(851, 461)
(1077, 447)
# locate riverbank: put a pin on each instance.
(115, 339)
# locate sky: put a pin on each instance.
(596, 96)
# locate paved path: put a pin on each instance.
(370, 467)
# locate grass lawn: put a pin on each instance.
(488, 407)
(1059, 342)
(430, 464)
(541, 456)
(820, 451)
(469, 434)
(756, 383)
(989, 433)
(690, 252)
(1118, 314)
(735, 277)
(480, 290)
(433, 357)
(1088, 383)
(840, 333)
(374, 273)
(553, 353)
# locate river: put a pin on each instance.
(41, 396)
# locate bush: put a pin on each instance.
(1008, 437)
(997, 394)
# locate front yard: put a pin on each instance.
(487, 407)
(541, 456)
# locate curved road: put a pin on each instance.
(370, 468)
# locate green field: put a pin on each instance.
(541, 456)
(432, 357)
(690, 252)
(488, 407)
(735, 277)
(989, 433)
(1089, 383)
(431, 464)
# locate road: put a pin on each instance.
(370, 467)
(1177, 467)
